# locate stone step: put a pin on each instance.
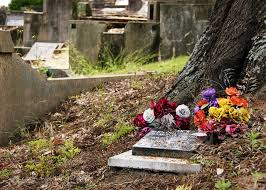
(127, 160)
(177, 144)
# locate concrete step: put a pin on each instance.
(127, 160)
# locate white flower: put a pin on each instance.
(183, 111)
(148, 115)
(168, 121)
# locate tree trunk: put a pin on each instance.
(232, 51)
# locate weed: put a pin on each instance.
(40, 145)
(5, 173)
(104, 119)
(223, 185)
(48, 157)
(197, 158)
(253, 138)
(256, 177)
(68, 151)
(79, 64)
(43, 166)
(184, 187)
(120, 131)
(45, 71)
(119, 64)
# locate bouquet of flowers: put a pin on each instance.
(222, 116)
(162, 115)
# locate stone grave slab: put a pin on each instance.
(177, 144)
(42, 51)
(15, 20)
(127, 160)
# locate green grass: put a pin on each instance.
(169, 66)
(132, 63)
(121, 130)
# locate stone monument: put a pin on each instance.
(2, 16)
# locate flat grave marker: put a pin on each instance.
(175, 144)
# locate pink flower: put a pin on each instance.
(208, 126)
(232, 130)
(142, 132)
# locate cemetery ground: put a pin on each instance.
(69, 149)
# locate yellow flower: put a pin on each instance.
(244, 115)
(214, 112)
(225, 110)
(223, 102)
(234, 114)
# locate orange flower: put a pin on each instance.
(200, 118)
(202, 102)
(232, 91)
(239, 101)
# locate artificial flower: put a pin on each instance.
(213, 102)
(209, 93)
(139, 121)
(234, 114)
(208, 126)
(183, 111)
(244, 115)
(232, 91)
(182, 123)
(224, 101)
(162, 107)
(143, 131)
(214, 112)
(232, 130)
(202, 102)
(148, 115)
(200, 117)
(196, 109)
(168, 121)
(238, 101)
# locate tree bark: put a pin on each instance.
(232, 51)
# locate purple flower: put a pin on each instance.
(209, 93)
(214, 102)
(196, 109)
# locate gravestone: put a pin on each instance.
(174, 165)
(181, 144)
(15, 19)
(42, 51)
(161, 151)
(2, 17)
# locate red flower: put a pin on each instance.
(200, 118)
(182, 123)
(202, 102)
(208, 126)
(162, 107)
(238, 101)
(139, 121)
(232, 91)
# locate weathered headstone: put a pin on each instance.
(84, 9)
(175, 144)
(15, 20)
(2, 17)
(161, 151)
(6, 43)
